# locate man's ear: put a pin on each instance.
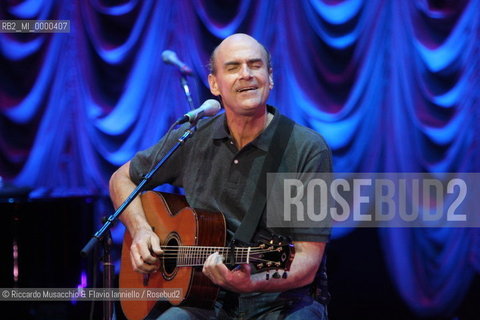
(212, 81)
(270, 79)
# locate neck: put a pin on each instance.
(244, 129)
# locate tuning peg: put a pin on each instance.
(284, 275)
(276, 275)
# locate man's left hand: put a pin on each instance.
(236, 280)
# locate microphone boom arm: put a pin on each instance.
(146, 178)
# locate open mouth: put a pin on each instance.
(246, 89)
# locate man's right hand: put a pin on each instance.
(144, 251)
(145, 246)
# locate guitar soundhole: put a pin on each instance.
(171, 254)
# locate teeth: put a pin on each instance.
(246, 89)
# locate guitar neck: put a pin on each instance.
(193, 256)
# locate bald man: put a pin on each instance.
(218, 169)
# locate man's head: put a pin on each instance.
(241, 74)
(212, 66)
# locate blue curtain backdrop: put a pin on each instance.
(392, 85)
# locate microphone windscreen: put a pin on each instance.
(211, 107)
(169, 56)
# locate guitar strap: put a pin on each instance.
(272, 162)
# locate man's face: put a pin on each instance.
(242, 77)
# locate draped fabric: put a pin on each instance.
(392, 85)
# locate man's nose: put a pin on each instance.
(246, 72)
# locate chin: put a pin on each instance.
(251, 108)
(252, 104)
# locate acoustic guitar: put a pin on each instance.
(187, 237)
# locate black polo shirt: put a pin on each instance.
(216, 176)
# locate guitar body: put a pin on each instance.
(176, 224)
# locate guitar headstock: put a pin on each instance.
(273, 254)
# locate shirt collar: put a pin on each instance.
(262, 142)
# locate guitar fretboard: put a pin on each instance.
(192, 256)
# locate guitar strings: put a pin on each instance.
(245, 254)
(186, 255)
(242, 257)
(210, 251)
(197, 248)
(227, 250)
(218, 248)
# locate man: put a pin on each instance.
(218, 169)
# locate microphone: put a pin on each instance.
(169, 56)
(207, 109)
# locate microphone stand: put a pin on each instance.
(103, 233)
(186, 89)
(108, 273)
